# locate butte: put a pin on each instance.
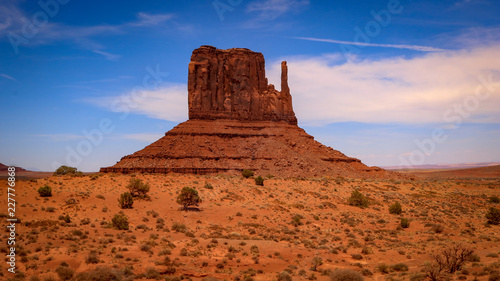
(238, 121)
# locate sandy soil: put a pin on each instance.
(244, 231)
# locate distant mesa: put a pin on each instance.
(4, 168)
(237, 121)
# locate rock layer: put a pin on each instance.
(238, 121)
(230, 146)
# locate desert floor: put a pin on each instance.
(243, 231)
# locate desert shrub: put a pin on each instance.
(126, 200)
(366, 272)
(64, 272)
(356, 256)
(357, 199)
(495, 276)
(137, 188)
(405, 223)
(151, 273)
(417, 277)
(493, 216)
(447, 262)
(179, 227)
(284, 276)
(316, 262)
(92, 257)
(400, 267)
(395, 209)
(437, 228)
(102, 273)
(208, 186)
(345, 275)
(188, 197)
(296, 220)
(247, 173)
(66, 218)
(66, 170)
(259, 181)
(45, 191)
(494, 199)
(120, 221)
(383, 268)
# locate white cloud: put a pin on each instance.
(166, 103)
(272, 9)
(392, 90)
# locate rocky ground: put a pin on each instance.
(299, 228)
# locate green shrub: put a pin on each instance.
(259, 181)
(137, 188)
(493, 216)
(65, 170)
(45, 191)
(395, 209)
(247, 173)
(345, 275)
(358, 199)
(126, 200)
(405, 223)
(208, 186)
(120, 221)
(188, 197)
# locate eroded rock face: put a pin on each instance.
(231, 84)
(238, 121)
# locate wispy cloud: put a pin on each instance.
(15, 18)
(392, 90)
(7, 77)
(166, 103)
(396, 46)
(272, 9)
(108, 56)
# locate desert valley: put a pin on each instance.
(240, 192)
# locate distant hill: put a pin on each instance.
(5, 168)
(472, 173)
(443, 166)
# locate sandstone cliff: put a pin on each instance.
(231, 84)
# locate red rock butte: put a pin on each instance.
(237, 121)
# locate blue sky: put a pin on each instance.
(84, 83)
